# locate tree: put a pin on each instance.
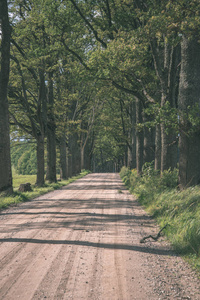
(183, 18)
(121, 55)
(34, 60)
(189, 147)
(5, 160)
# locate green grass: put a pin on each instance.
(168, 205)
(18, 179)
(17, 197)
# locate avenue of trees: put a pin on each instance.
(99, 84)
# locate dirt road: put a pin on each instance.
(83, 242)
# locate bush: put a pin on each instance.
(125, 175)
(124, 172)
(133, 178)
(169, 179)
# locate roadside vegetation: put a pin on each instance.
(168, 205)
(17, 197)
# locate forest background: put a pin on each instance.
(100, 84)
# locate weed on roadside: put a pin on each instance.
(168, 205)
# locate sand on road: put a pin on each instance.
(83, 242)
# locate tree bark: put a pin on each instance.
(40, 160)
(40, 132)
(189, 91)
(139, 138)
(132, 138)
(63, 158)
(149, 142)
(75, 154)
(51, 135)
(158, 148)
(82, 158)
(5, 160)
(168, 150)
(70, 173)
(51, 155)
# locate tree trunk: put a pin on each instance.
(51, 155)
(168, 149)
(158, 148)
(82, 158)
(5, 160)
(126, 155)
(166, 60)
(139, 138)
(63, 158)
(40, 160)
(149, 142)
(132, 138)
(75, 153)
(189, 91)
(51, 135)
(70, 173)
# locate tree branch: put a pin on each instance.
(27, 129)
(89, 25)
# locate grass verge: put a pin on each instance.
(179, 209)
(17, 197)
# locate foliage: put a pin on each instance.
(179, 209)
(23, 156)
(125, 173)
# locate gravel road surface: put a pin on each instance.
(83, 242)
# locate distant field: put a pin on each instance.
(18, 179)
(17, 197)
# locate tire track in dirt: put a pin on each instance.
(52, 277)
(64, 268)
(30, 251)
(78, 263)
(26, 250)
(33, 234)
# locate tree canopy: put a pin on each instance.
(102, 84)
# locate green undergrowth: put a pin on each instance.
(168, 205)
(17, 197)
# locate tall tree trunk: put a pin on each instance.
(132, 137)
(166, 60)
(168, 149)
(82, 158)
(51, 154)
(75, 154)
(139, 138)
(158, 148)
(126, 155)
(189, 91)
(70, 173)
(51, 134)
(5, 160)
(40, 160)
(63, 158)
(149, 142)
(88, 155)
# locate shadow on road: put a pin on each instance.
(91, 244)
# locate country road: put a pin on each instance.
(83, 242)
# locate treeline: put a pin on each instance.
(23, 158)
(108, 83)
